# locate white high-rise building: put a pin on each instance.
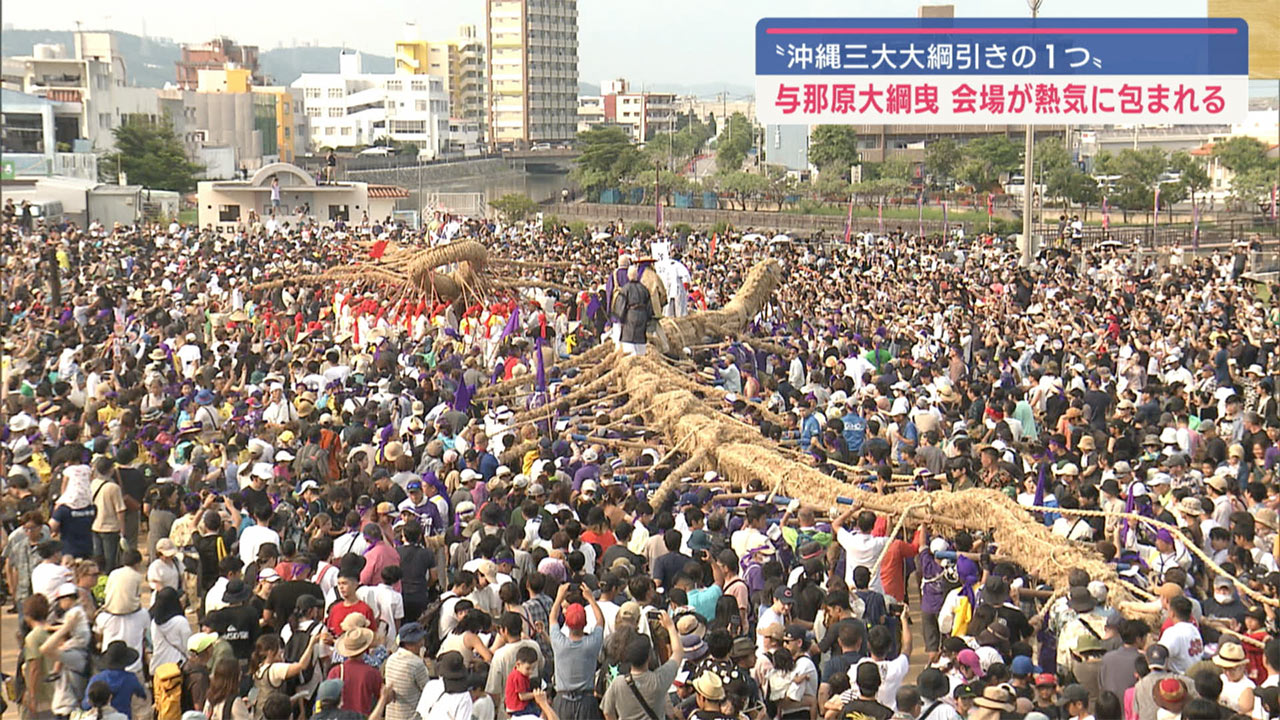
(353, 108)
(533, 71)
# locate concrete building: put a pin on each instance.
(215, 55)
(211, 125)
(93, 75)
(38, 137)
(351, 108)
(788, 146)
(532, 60)
(230, 204)
(641, 114)
(590, 112)
(458, 61)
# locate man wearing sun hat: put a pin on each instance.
(361, 684)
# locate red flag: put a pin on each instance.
(991, 207)
(713, 243)
(378, 248)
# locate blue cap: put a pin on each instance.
(412, 632)
(1022, 665)
(414, 485)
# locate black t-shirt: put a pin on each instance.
(865, 708)
(253, 499)
(619, 550)
(133, 483)
(238, 625)
(1019, 628)
(285, 595)
(415, 562)
(667, 567)
(75, 526)
(207, 549)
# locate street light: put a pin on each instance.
(1028, 159)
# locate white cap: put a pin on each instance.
(590, 455)
(938, 545)
(710, 476)
(588, 486)
(284, 456)
(468, 475)
(67, 589)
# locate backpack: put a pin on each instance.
(188, 676)
(293, 651)
(430, 619)
(167, 687)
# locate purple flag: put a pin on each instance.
(513, 323)
(462, 399)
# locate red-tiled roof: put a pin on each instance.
(387, 191)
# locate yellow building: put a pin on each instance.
(226, 80)
(459, 61)
(532, 71)
(287, 132)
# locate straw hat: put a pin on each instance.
(1230, 655)
(995, 697)
(355, 642)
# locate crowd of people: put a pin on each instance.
(237, 503)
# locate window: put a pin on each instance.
(313, 112)
(395, 85)
(335, 112)
(104, 119)
(421, 85)
(346, 130)
(313, 93)
(286, 131)
(339, 212)
(420, 105)
(336, 92)
(228, 213)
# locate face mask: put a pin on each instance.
(1223, 598)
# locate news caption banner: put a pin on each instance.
(996, 71)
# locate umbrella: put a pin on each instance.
(780, 239)
(600, 236)
(1111, 243)
(753, 237)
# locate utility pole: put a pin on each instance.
(1028, 161)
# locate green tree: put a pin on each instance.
(832, 187)
(1251, 189)
(1075, 187)
(1139, 172)
(736, 139)
(1241, 153)
(941, 158)
(741, 188)
(150, 154)
(834, 148)
(607, 157)
(1052, 156)
(987, 158)
(1193, 177)
(514, 207)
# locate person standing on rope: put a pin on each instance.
(633, 305)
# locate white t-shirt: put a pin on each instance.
(189, 357)
(129, 628)
(435, 704)
(1185, 646)
(46, 577)
(892, 673)
(254, 537)
(862, 550)
(387, 605)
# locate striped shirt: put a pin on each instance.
(407, 674)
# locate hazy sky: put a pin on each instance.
(668, 41)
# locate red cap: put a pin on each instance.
(1046, 679)
(575, 616)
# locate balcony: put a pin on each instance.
(77, 165)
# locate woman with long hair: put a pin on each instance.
(223, 702)
(269, 669)
(169, 629)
